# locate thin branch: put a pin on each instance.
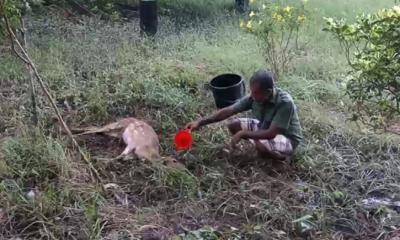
(27, 59)
(31, 77)
(297, 38)
(282, 37)
(288, 41)
(12, 37)
(285, 52)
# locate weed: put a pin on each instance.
(181, 180)
(34, 158)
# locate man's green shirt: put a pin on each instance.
(280, 111)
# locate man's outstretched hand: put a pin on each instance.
(193, 126)
(236, 138)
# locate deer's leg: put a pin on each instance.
(128, 150)
(129, 141)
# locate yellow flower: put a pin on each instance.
(388, 14)
(301, 18)
(396, 9)
(277, 17)
(249, 24)
(264, 7)
(242, 24)
(252, 14)
(252, 1)
(287, 9)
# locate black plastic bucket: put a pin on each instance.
(227, 89)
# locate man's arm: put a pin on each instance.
(222, 114)
(280, 123)
(218, 116)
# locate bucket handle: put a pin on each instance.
(243, 88)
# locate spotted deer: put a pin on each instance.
(139, 137)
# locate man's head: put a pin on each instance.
(262, 85)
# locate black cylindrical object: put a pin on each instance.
(242, 5)
(148, 16)
(227, 89)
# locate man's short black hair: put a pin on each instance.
(264, 78)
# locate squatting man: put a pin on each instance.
(275, 129)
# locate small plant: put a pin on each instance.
(206, 233)
(304, 224)
(277, 26)
(35, 157)
(177, 179)
(372, 46)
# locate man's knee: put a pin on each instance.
(264, 150)
(261, 148)
(234, 127)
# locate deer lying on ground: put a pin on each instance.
(139, 137)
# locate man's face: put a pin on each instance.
(258, 94)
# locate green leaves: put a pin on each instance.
(11, 9)
(372, 45)
(305, 224)
(277, 26)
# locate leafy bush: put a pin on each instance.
(374, 81)
(277, 28)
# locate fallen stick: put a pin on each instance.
(27, 60)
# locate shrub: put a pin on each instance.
(374, 79)
(277, 28)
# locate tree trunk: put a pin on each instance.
(148, 17)
(242, 5)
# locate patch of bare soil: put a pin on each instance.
(100, 145)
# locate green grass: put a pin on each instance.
(347, 8)
(106, 71)
(190, 10)
(323, 58)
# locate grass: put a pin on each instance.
(106, 71)
(190, 10)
